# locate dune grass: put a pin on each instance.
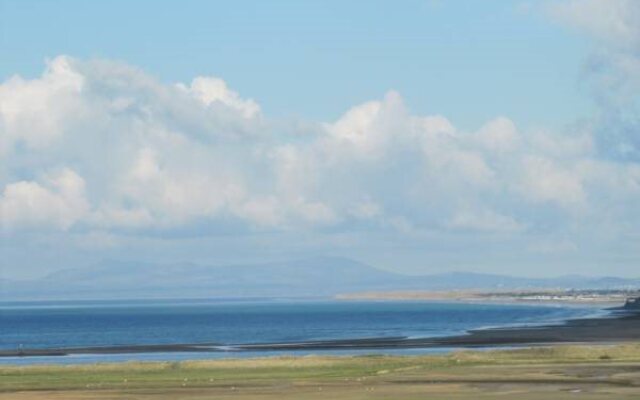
(539, 369)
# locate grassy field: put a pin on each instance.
(561, 372)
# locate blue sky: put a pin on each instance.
(467, 60)
(422, 137)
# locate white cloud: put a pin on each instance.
(36, 111)
(149, 155)
(210, 90)
(484, 220)
(612, 70)
(366, 209)
(59, 201)
(152, 154)
(368, 129)
(499, 135)
(545, 181)
(175, 190)
(613, 21)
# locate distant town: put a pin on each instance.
(578, 296)
(572, 295)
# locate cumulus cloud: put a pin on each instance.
(612, 70)
(35, 112)
(59, 202)
(613, 21)
(498, 135)
(210, 90)
(103, 147)
(484, 220)
(613, 24)
(545, 181)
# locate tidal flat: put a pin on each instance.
(555, 372)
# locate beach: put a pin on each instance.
(615, 326)
(597, 357)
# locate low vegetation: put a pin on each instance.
(594, 371)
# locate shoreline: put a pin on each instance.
(528, 297)
(617, 327)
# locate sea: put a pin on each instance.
(27, 325)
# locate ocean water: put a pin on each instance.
(80, 324)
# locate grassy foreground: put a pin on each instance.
(561, 372)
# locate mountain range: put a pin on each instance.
(314, 277)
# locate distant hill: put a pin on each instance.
(316, 277)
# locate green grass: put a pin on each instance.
(595, 372)
(265, 371)
(193, 374)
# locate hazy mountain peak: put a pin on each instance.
(308, 277)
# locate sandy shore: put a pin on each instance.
(620, 326)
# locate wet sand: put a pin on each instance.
(620, 326)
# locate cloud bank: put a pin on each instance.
(102, 145)
(97, 147)
(612, 70)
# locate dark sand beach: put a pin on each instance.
(621, 325)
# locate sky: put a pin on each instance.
(420, 137)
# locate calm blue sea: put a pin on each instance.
(73, 324)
